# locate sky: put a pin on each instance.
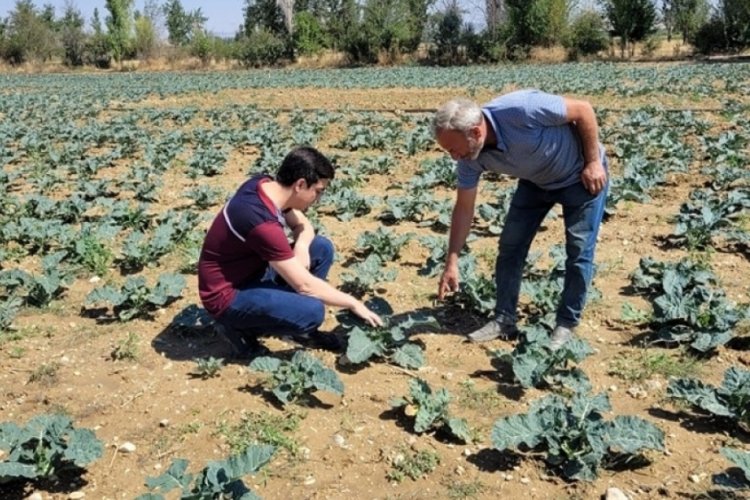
(224, 16)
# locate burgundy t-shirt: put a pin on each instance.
(242, 239)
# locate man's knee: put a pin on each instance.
(322, 248)
(314, 314)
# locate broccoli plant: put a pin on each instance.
(382, 242)
(46, 446)
(361, 278)
(709, 214)
(730, 401)
(9, 308)
(477, 292)
(542, 286)
(437, 247)
(209, 367)
(348, 203)
(688, 306)
(576, 438)
(388, 342)
(741, 459)
(204, 196)
(430, 410)
(412, 207)
(139, 250)
(534, 363)
(219, 479)
(292, 380)
(38, 290)
(135, 298)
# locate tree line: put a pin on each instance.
(275, 32)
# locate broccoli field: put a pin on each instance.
(115, 384)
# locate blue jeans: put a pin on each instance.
(267, 307)
(582, 213)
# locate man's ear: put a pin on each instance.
(475, 132)
(299, 185)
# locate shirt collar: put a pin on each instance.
(499, 142)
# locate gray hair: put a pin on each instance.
(457, 114)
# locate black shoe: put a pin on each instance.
(243, 346)
(317, 340)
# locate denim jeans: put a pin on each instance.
(268, 306)
(582, 213)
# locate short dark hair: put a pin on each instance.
(304, 162)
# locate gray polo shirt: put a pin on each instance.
(534, 142)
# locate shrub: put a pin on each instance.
(309, 37)
(587, 35)
(261, 48)
(202, 47)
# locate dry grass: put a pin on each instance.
(546, 55)
(178, 60)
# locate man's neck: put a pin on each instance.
(277, 193)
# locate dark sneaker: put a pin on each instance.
(243, 346)
(560, 335)
(317, 340)
(494, 330)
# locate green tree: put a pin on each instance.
(264, 14)
(145, 40)
(587, 35)
(118, 27)
(48, 16)
(684, 17)
(728, 29)
(98, 51)
(417, 21)
(29, 36)
(72, 37)
(558, 14)
(448, 35)
(96, 22)
(202, 47)
(631, 20)
(260, 48)
(309, 37)
(394, 26)
(341, 19)
(689, 15)
(182, 26)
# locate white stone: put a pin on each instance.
(615, 494)
(695, 478)
(126, 447)
(163, 422)
(95, 279)
(525, 480)
(340, 441)
(35, 496)
(637, 392)
(76, 495)
(460, 471)
(309, 481)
